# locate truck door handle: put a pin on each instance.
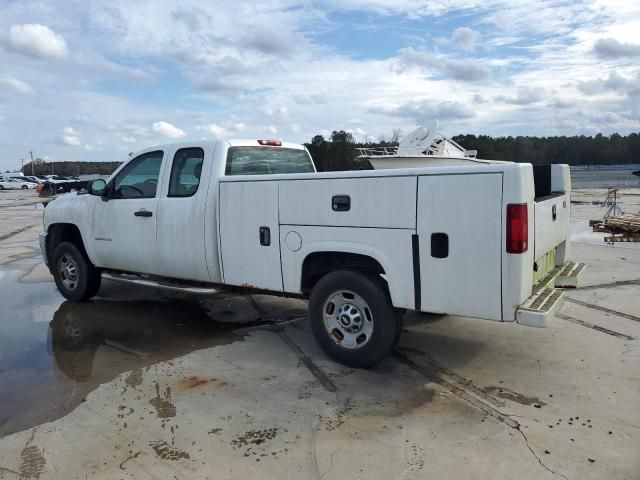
(265, 236)
(143, 213)
(341, 203)
(554, 214)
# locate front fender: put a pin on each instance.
(72, 209)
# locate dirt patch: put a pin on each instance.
(168, 452)
(32, 461)
(164, 407)
(338, 418)
(508, 394)
(195, 382)
(134, 379)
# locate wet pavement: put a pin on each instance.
(139, 384)
(54, 352)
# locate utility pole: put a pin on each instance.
(22, 166)
(31, 153)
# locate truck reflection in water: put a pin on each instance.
(96, 341)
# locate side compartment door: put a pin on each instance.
(460, 242)
(249, 234)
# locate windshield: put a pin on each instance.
(267, 160)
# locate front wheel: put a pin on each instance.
(75, 276)
(352, 318)
(24, 187)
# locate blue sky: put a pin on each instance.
(94, 80)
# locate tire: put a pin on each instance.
(352, 318)
(76, 277)
(1, 187)
(24, 187)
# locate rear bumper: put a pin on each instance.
(548, 295)
(42, 239)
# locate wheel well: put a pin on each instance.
(318, 264)
(63, 232)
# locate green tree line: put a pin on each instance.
(339, 152)
(40, 167)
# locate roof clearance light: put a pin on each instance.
(271, 143)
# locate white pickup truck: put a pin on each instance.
(444, 232)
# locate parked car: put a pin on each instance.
(454, 235)
(33, 178)
(7, 183)
(60, 179)
(636, 173)
(27, 180)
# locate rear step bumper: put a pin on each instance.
(548, 295)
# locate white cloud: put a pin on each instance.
(15, 85)
(37, 41)
(70, 137)
(524, 96)
(424, 111)
(224, 129)
(216, 130)
(628, 85)
(167, 130)
(464, 38)
(611, 49)
(466, 70)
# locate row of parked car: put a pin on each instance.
(32, 181)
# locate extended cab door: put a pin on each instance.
(249, 234)
(181, 215)
(124, 225)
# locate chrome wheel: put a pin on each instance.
(348, 319)
(69, 272)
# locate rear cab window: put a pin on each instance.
(185, 172)
(267, 161)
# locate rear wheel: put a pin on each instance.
(24, 187)
(352, 318)
(1, 187)
(76, 277)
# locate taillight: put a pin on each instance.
(517, 228)
(271, 143)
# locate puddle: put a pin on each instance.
(54, 352)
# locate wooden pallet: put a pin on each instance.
(623, 228)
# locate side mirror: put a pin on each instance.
(97, 187)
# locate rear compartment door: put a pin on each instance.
(249, 234)
(551, 221)
(460, 241)
(551, 209)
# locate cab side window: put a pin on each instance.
(139, 178)
(185, 172)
